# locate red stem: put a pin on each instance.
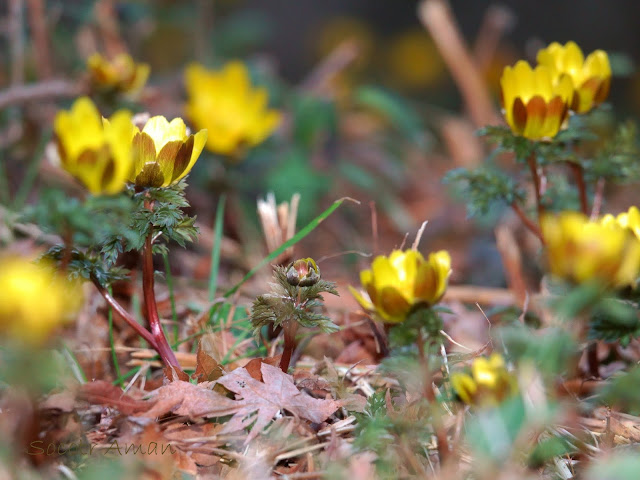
(289, 327)
(119, 309)
(163, 348)
(527, 221)
(578, 174)
(533, 166)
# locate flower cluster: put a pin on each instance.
(537, 101)
(580, 250)
(34, 300)
(226, 103)
(105, 154)
(487, 383)
(398, 283)
(120, 74)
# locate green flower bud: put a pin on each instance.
(303, 272)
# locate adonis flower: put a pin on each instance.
(95, 150)
(535, 103)
(629, 219)
(303, 272)
(164, 152)
(120, 74)
(580, 250)
(225, 103)
(487, 384)
(591, 76)
(403, 280)
(34, 300)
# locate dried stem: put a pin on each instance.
(38, 92)
(592, 360)
(38, 26)
(151, 309)
(119, 309)
(578, 174)
(597, 198)
(437, 18)
(527, 221)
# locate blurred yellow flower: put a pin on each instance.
(404, 279)
(488, 383)
(164, 152)
(591, 76)
(120, 74)
(225, 103)
(95, 150)
(535, 103)
(629, 219)
(580, 250)
(34, 300)
(414, 61)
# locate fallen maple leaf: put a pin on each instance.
(259, 402)
(256, 402)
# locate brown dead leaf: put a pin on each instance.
(207, 368)
(254, 366)
(193, 401)
(174, 374)
(100, 392)
(266, 399)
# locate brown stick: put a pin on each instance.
(527, 221)
(119, 309)
(578, 174)
(38, 25)
(597, 198)
(592, 360)
(37, 92)
(437, 18)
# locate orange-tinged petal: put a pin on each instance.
(392, 304)
(536, 113)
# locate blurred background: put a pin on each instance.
(371, 110)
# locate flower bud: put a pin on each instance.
(303, 272)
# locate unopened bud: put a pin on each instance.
(303, 272)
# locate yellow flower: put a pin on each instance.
(629, 219)
(580, 250)
(94, 150)
(414, 61)
(34, 300)
(225, 103)
(488, 383)
(404, 279)
(164, 152)
(535, 103)
(591, 77)
(120, 74)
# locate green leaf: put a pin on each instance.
(484, 188)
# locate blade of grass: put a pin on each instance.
(112, 344)
(172, 298)
(292, 241)
(120, 380)
(32, 171)
(74, 364)
(215, 249)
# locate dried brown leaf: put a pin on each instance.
(260, 402)
(101, 392)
